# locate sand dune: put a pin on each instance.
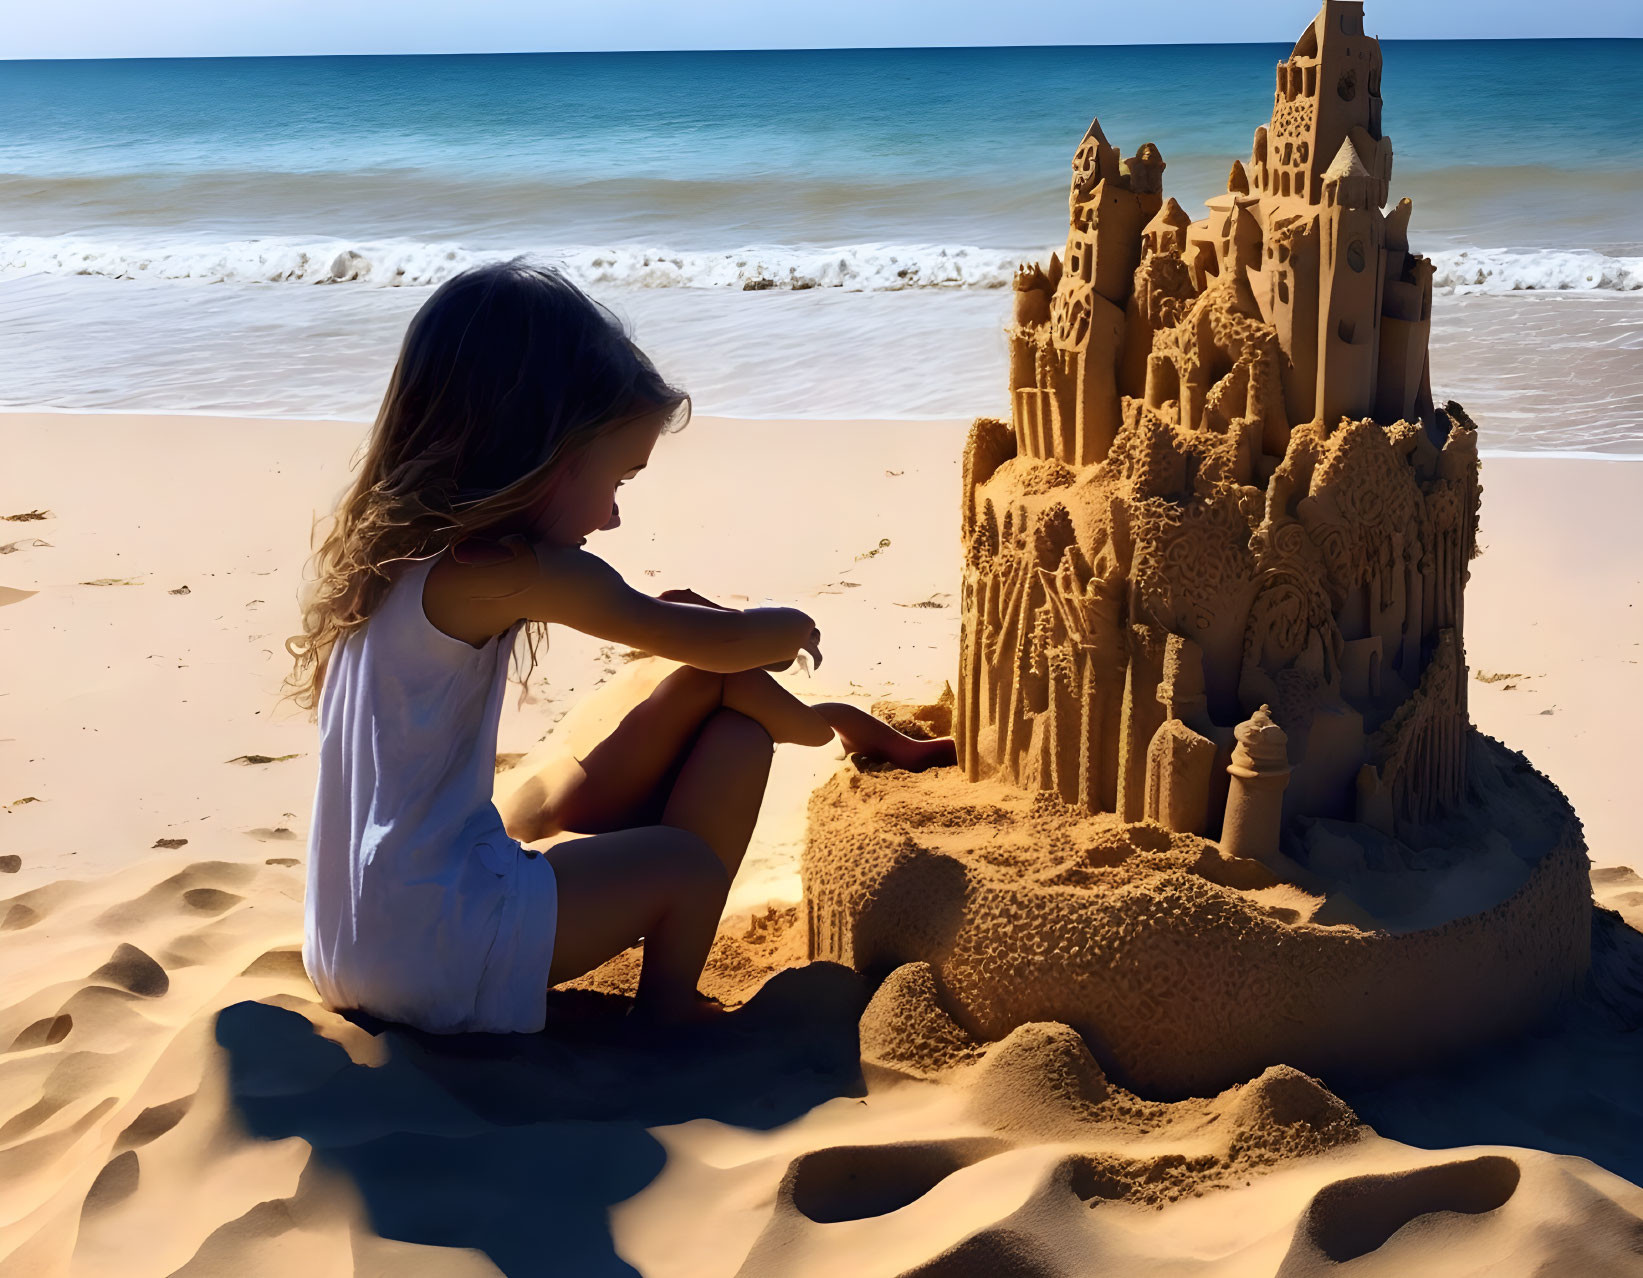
(173, 1098)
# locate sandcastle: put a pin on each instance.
(1219, 803)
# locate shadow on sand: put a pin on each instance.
(517, 1145)
(1572, 1086)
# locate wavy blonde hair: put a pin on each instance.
(506, 373)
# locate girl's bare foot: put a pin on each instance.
(860, 733)
(916, 755)
(655, 1014)
(911, 753)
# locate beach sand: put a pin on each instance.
(174, 1099)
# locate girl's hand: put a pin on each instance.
(811, 643)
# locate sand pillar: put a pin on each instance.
(1180, 763)
(1255, 800)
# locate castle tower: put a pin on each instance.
(1403, 390)
(1326, 126)
(1109, 202)
(1329, 86)
(1351, 268)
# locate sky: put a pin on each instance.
(217, 28)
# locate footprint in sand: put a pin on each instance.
(855, 1182)
(28, 908)
(210, 900)
(284, 964)
(858, 1182)
(132, 970)
(274, 834)
(115, 1183)
(18, 916)
(43, 1033)
(10, 863)
(154, 1122)
(198, 889)
(1358, 1215)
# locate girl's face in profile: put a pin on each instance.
(580, 497)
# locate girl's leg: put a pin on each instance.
(625, 780)
(717, 793)
(664, 885)
(655, 881)
(781, 714)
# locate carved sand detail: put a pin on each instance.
(1213, 579)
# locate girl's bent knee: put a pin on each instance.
(738, 727)
(746, 679)
(709, 685)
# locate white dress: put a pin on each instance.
(421, 909)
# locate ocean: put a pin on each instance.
(815, 234)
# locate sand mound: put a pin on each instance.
(1186, 970)
(1041, 1081)
(906, 1029)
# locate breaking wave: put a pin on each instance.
(851, 267)
(409, 263)
(1552, 270)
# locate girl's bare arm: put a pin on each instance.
(567, 585)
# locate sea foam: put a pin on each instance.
(851, 267)
(410, 263)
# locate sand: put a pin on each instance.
(174, 1099)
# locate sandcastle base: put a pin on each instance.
(1186, 970)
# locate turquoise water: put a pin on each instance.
(183, 210)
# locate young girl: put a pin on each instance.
(516, 410)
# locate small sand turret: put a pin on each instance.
(1255, 799)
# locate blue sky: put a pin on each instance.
(193, 28)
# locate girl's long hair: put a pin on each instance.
(507, 371)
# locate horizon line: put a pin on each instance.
(864, 48)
